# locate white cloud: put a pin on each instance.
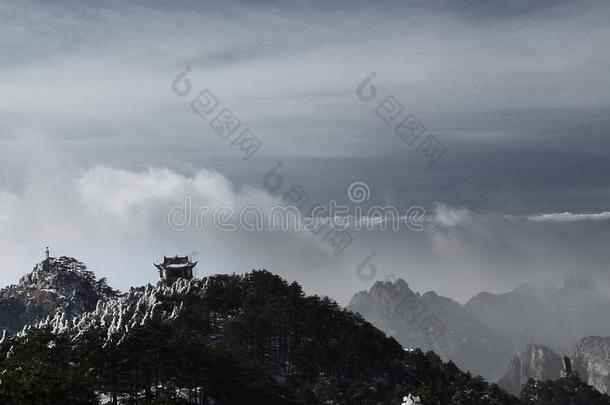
(117, 221)
(569, 217)
(447, 216)
(120, 193)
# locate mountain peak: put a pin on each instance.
(49, 272)
(54, 285)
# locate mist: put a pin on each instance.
(96, 149)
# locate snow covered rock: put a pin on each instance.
(55, 287)
(410, 400)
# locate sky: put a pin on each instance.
(96, 147)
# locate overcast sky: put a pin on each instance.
(95, 147)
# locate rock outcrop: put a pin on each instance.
(56, 285)
(591, 361)
(535, 361)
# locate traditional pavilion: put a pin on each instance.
(175, 267)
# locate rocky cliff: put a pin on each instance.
(56, 285)
(591, 360)
(535, 361)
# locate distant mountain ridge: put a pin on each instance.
(467, 341)
(570, 313)
(484, 334)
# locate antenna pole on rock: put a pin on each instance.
(45, 264)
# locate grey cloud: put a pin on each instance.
(517, 90)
